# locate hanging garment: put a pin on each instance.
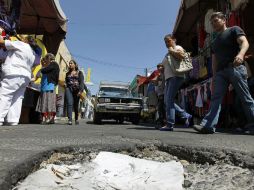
(202, 68)
(205, 92)
(195, 71)
(208, 26)
(209, 67)
(199, 100)
(234, 19)
(182, 104)
(201, 35)
(235, 4)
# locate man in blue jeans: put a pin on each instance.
(229, 49)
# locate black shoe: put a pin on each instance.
(76, 122)
(249, 129)
(203, 130)
(69, 122)
(43, 122)
(51, 121)
(167, 129)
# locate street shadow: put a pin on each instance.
(107, 122)
(142, 128)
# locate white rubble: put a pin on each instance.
(108, 171)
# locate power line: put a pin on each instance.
(105, 63)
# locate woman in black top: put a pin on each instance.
(74, 82)
(47, 101)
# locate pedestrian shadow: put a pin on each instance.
(105, 122)
(144, 126)
(152, 128)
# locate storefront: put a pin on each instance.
(193, 31)
(44, 20)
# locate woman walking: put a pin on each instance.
(47, 100)
(74, 82)
(173, 83)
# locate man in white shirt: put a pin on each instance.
(16, 75)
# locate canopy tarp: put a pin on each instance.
(193, 11)
(190, 12)
(44, 18)
(144, 80)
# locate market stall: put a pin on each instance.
(193, 31)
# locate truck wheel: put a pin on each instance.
(135, 120)
(96, 118)
(121, 120)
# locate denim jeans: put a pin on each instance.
(172, 86)
(72, 103)
(237, 76)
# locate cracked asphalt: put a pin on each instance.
(20, 145)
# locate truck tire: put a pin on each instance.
(135, 120)
(96, 118)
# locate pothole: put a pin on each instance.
(78, 171)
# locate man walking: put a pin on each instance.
(160, 86)
(229, 49)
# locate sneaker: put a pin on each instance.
(76, 122)
(203, 130)
(167, 128)
(69, 122)
(12, 123)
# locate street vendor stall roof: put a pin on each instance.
(144, 80)
(42, 16)
(185, 4)
(45, 18)
(189, 13)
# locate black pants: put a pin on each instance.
(161, 109)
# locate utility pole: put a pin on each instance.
(146, 72)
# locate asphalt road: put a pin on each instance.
(20, 145)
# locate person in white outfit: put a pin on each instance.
(16, 75)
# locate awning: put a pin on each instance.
(144, 80)
(190, 12)
(44, 17)
(189, 3)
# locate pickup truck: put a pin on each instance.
(115, 101)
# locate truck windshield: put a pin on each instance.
(114, 91)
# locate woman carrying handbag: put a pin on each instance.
(74, 83)
(173, 83)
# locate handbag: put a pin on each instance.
(180, 66)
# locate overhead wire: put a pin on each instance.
(93, 60)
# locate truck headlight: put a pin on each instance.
(107, 100)
(101, 100)
(135, 101)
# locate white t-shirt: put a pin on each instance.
(20, 59)
(168, 73)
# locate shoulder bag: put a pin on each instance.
(180, 66)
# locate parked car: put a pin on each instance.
(115, 101)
